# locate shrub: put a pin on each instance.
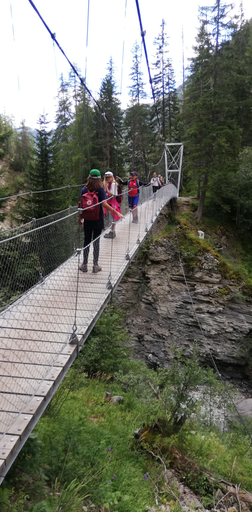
(105, 349)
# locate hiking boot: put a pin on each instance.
(135, 220)
(96, 268)
(111, 234)
(83, 267)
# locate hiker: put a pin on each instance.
(114, 199)
(155, 183)
(161, 179)
(92, 194)
(133, 192)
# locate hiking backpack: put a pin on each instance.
(133, 188)
(90, 200)
(119, 194)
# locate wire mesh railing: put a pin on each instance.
(30, 254)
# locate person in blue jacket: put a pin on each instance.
(133, 192)
(93, 228)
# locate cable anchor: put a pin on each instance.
(74, 340)
(109, 285)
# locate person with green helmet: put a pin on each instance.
(93, 228)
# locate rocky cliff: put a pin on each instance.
(168, 305)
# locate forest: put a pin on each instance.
(88, 457)
(210, 113)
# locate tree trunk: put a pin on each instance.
(198, 188)
(199, 211)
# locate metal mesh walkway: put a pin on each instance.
(37, 329)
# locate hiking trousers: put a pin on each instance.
(90, 234)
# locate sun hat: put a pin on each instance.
(109, 174)
(94, 173)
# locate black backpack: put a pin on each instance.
(119, 194)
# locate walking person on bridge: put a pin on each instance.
(93, 198)
(114, 199)
(155, 183)
(133, 192)
(161, 179)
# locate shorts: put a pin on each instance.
(133, 201)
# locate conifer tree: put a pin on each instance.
(5, 133)
(83, 133)
(138, 133)
(106, 142)
(23, 148)
(62, 141)
(242, 79)
(165, 87)
(42, 174)
(213, 135)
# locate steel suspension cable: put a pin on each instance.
(53, 36)
(147, 62)
(87, 40)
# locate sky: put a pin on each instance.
(31, 63)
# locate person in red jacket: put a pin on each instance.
(133, 192)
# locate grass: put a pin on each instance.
(85, 441)
(91, 442)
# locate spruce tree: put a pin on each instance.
(23, 148)
(213, 135)
(106, 141)
(42, 174)
(165, 87)
(241, 66)
(62, 142)
(137, 122)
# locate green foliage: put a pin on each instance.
(11, 503)
(165, 88)
(89, 443)
(105, 351)
(144, 249)
(222, 451)
(20, 269)
(240, 195)
(62, 499)
(5, 134)
(213, 134)
(4, 192)
(174, 385)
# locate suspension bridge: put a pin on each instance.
(49, 307)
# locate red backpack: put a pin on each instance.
(90, 200)
(133, 188)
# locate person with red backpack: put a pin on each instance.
(92, 200)
(133, 192)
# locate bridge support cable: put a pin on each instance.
(53, 36)
(148, 67)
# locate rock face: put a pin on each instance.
(169, 305)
